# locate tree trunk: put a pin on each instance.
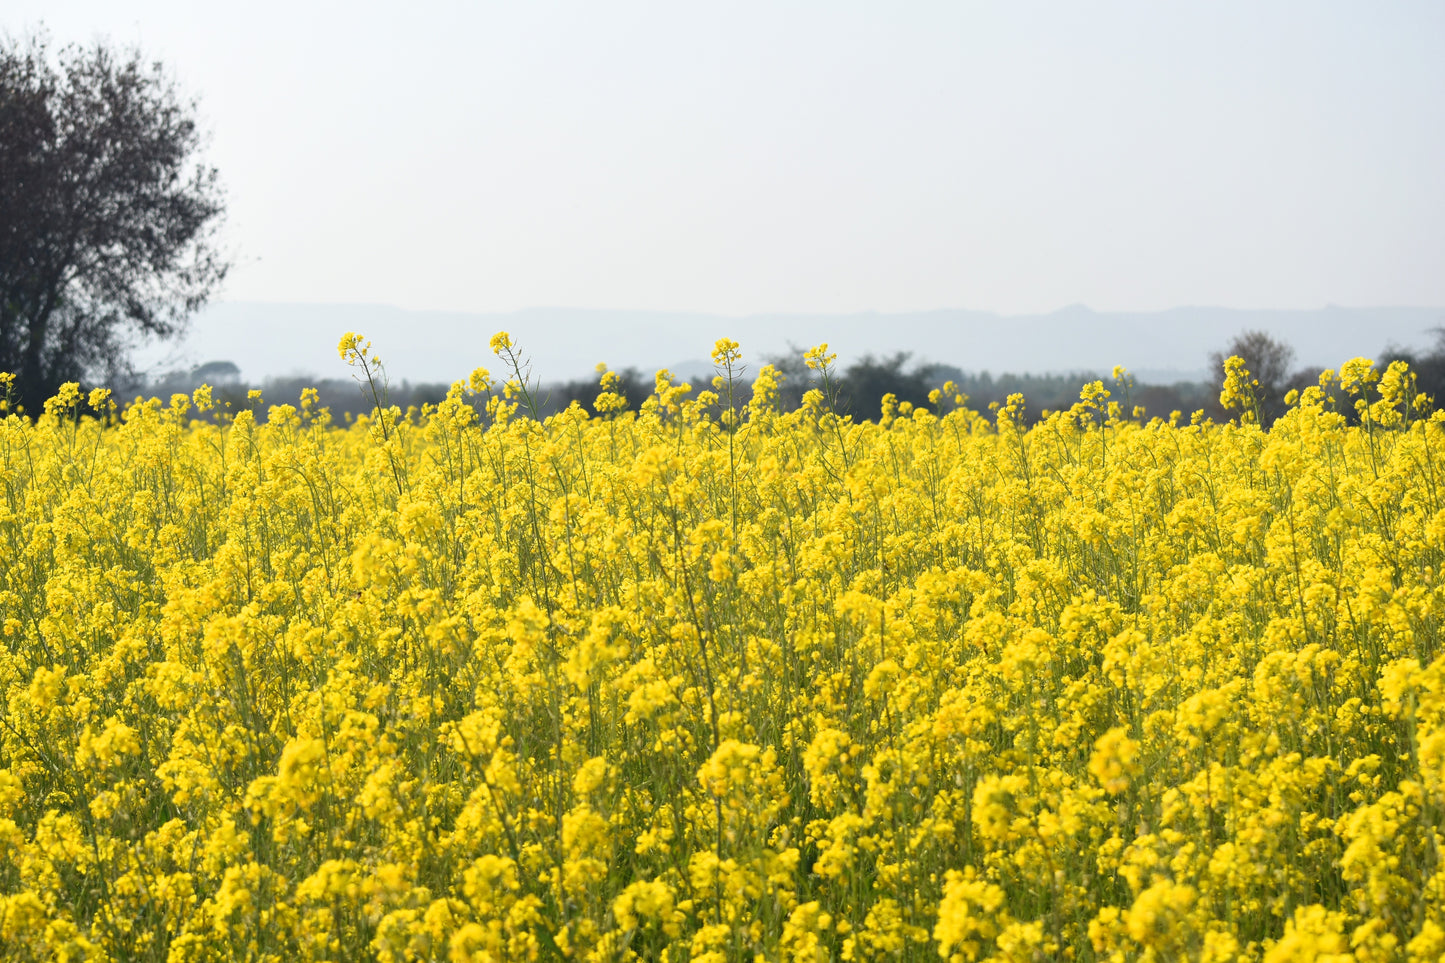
(30, 379)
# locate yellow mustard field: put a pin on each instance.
(710, 681)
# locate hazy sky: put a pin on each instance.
(813, 157)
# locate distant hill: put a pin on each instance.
(273, 340)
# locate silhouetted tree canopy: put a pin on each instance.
(1268, 360)
(630, 384)
(216, 372)
(867, 380)
(1428, 365)
(107, 215)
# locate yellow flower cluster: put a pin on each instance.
(707, 680)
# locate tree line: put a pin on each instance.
(860, 386)
(864, 383)
(1270, 361)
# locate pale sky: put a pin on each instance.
(739, 158)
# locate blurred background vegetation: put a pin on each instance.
(861, 385)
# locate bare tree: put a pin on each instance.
(107, 215)
(1268, 361)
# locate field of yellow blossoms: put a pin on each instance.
(709, 681)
